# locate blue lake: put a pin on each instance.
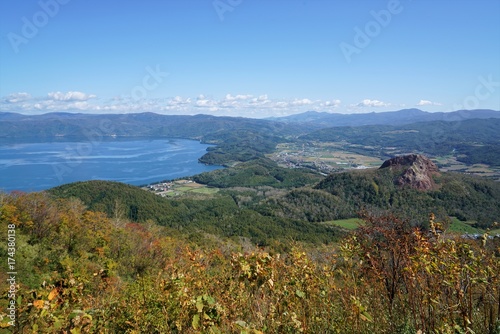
(43, 165)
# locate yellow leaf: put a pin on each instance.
(38, 303)
(53, 294)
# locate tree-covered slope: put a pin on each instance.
(258, 172)
(466, 197)
(219, 215)
(77, 271)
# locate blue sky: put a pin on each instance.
(253, 58)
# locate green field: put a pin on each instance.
(349, 224)
(458, 226)
(184, 190)
(205, 190)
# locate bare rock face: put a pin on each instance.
(416, 171)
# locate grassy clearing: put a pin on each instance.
(349, 224)
(186, 190)
(205, 190)
(456, 226)
(184, 187)
(461, 227)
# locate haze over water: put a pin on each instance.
(40, 166)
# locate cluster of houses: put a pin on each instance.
(160, 187)
(169, 187)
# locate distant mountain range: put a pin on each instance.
(147, 124)
(400, 117)
(57, 125)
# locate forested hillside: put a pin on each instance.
(80, 271)
(220, 215)
(258, 193)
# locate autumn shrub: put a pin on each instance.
(92, 274)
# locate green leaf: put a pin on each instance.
(58, 324)
(241, 323)
(196, 321)
(366, 316)
(199, 306)
(210, 300)
(300, 294)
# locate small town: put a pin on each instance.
(176, 188)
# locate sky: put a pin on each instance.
(251, 58)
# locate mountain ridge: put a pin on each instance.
(399, 117)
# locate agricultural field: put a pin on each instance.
(325, 157)
(348, 224)
(451, 164)
(180, 188)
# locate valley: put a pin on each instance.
(328, 157)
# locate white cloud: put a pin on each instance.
(428, 103)
(70, 96)
(281, 104)
(261, 101)
(332, 104)
(204, 102)
(302, 102)
(372, 104)
(238, 97)
(178, 101)
(18, 97)
(230, 104)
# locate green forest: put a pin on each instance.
(84, 271)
